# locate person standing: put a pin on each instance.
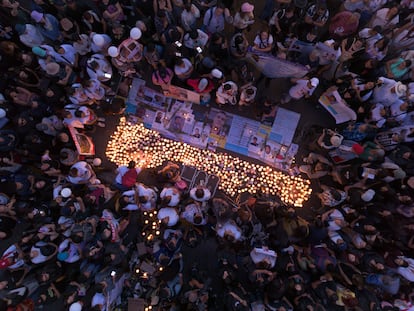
(303, 88)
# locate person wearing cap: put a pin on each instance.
(47, 25)
(201, 86)
(329, 139)
(62, 72)
(244, 17)
(100, 42)
(303, 88)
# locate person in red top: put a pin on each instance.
(202, 86)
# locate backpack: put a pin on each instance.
(130, 177)
(211, 11)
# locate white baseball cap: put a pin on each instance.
(314, 82)
(217, 73)
(76, 306)
(66, 192)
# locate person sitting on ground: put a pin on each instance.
(147, 197)
(200, 193)
(329, 139)
(170, 196)
(227, 93)
(315, 166)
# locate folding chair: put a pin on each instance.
(188, 174)
(213, 182)
(201, 178)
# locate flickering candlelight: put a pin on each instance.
(136, 140)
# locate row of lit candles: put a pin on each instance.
(147, 147)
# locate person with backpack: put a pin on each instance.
(126, 176)
(215, 19)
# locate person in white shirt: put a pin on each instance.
(99, 68)
(200, 193)
(195, 39)
(81, 173)
(147, 197)
(229, 231)
(128, 200)
(387, 18)
(406, 268)
(194, 214)
(183, 68)
(170, 196)
(263, 42)
(189, 16)
(388, 91)
(398, 111)
(303, 88)
(168, 216)
(244, 18)
(370, 34)
(82, 44)
(79, 116)
(215, 18)
(264, 255)
(378, 115)
(29, 35)
(67, 55)
(227, 93)
(94, 89)
(78, 96)
(248, 95)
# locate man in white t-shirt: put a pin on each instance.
(170, 196)
(227, 93)
(303, 88)
(388, 91)
(183, 68)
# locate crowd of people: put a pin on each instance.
(75, 241)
